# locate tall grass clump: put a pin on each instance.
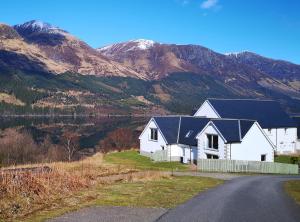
(27, 189)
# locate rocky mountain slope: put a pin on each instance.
(55, 50)
(17, 53)
(156, 61)
(279, 69)
(138, 76)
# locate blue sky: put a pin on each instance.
(267, 27)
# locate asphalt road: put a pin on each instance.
(112, 214)
(253, 199)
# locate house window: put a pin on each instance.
(263, 157)
(212, 141)
(211, 156)
(162, 147)
(188, 133)
(153, 135)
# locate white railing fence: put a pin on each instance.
(241, 166)
(159, 156)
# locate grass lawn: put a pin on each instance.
(164, 192)
(135, 160)
(293, 189)
(287, 159)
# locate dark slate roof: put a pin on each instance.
(168, 125)
(193, 126)
(245, 126)
(231, 129)
(268, 113)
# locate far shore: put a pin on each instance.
(74, 116)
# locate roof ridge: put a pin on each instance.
(232, 119)
(174, 116)
(240, 133)
(263, 100)
(179, 124)
(201, 117)
(180, 116)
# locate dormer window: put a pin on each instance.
(153, 134)
(189, 133)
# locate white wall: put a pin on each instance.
(203, 144)
(206, 111)
(253, 145)
(298, 146)
(190, 152)
(180, 150)
(175, 150)
(284, 140)
(148, 145)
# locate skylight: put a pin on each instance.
(189, 133)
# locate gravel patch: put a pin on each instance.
(112, 214)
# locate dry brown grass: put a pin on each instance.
(11, 99)
(161, 94)
(25, 192)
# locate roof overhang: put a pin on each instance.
(215, 127)
(152, 119)
(211, 106)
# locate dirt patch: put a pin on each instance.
(11, 99)
(143, 100)
(161, 94)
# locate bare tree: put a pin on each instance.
(17, 147)
(70, 142)
(120, 139)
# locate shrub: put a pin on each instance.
(118, 140)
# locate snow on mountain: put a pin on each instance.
(137, 44)
(38, 26)
(144, 43)
(236, 54)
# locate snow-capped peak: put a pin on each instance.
(38, 26)
(143, 43)
(131, 45)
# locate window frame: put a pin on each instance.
(153, 134)
(211, 144)
(265, 157)
(213, 156)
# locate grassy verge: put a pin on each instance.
(25, 192)
(293, 189)
(135, 160)
(118, 179)
(163, 192)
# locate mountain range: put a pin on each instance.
(43, 66)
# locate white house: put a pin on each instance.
(279, 127)
(187, 139)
